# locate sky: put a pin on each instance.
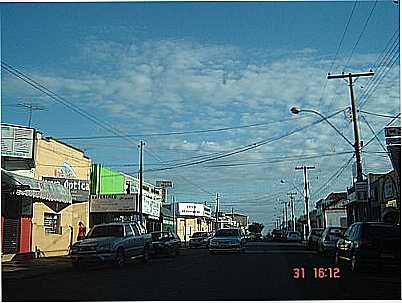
(150, 69)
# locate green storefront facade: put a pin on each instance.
(105, 181)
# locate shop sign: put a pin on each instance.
(164, 184)
(65, 171)
(392, 131)
(79, 189)
(391, 203)
(113, 203)
(193, 209)
(17, 142)
(150, 207)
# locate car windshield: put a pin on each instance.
(106, 231)
(159, 236)
(336, 231)
(227, 233)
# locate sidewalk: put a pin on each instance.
(34, 267)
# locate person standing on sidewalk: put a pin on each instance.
(82, 231)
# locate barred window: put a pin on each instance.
(52, 223)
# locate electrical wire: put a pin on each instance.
(249, 146)
(375, 114)
(183, 132)
(361, 34)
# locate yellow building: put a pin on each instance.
(55, 224)
(191, 218)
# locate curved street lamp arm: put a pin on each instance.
(333, 126)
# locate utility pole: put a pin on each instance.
(306, 197)
(216, 211)
(357, 144)
(141, 180)
(232, 216)
(291, 194)
(174, 215)
(286, 215)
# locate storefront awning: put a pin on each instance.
(38, 189)
(15, 181)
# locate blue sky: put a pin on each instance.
(173, 67)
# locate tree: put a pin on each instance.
(255, 228)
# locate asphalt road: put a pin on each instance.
(264, 272)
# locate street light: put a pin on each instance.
(296, 110)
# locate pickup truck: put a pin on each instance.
(113, 242)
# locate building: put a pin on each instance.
(45, 192)
(239, 220)
(331, 211)
(114, 198)
(384, 197)
(191, 217)
(357, 206)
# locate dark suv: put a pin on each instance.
(363, 244)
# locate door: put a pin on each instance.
(11, 236)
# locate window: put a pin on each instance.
(52, 223)
(129, 232)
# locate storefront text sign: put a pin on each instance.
(79, 189)
(113, 203)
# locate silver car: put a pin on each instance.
(329, 238)
(227, 240)
(113, 242)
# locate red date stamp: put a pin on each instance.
(318, 273)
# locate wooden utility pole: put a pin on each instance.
(357, 144)
(141, 180)
(291, 194)
(306, 197)
(216, 211)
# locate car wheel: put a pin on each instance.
(120, 258)
(145, 258)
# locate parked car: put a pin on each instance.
(370, 243)
(113, 242)
(165, 242)
(314, 237)
(277, 235)
(199, 239)
(329, 238)
(293, 236)
(227, 240)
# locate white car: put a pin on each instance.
(112, 242)
(294, 236)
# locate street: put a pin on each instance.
(263, 272)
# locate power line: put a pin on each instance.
(361, 34)
(180, 133)
(343, 35)
(376, 114)
(283, 159)
(54, 96)
(379, 132)
(249, 146)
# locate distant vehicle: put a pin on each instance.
(370, 243)
(165, 242)
(255, 237)
(113, 242)
(314, 237)
(227, 240)
(294, 236)
(277, 235)
(329, 238)
(199, 239)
